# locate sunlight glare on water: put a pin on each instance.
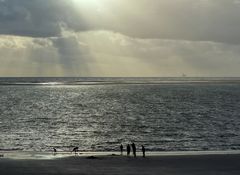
(163, 117)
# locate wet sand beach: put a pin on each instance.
(220, 164)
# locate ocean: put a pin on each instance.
(98, 114)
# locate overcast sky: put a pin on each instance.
(119, 37)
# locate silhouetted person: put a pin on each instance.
(121, 149)
(128, 149)
(54, 150)
(143, 150)
(134, 149)
(75, 150)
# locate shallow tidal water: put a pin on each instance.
(98, 115)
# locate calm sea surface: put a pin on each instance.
(97, 114)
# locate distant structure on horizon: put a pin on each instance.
(184, 75)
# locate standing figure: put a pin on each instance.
(121, 149)
(128, 149)
(143, 150)
(134, 149)
(54, 150)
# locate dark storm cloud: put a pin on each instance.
(195, 20)
(38, 18)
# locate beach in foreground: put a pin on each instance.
(207, 164)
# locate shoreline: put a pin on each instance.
(31, 155)
(207, 164)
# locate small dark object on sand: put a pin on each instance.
(92, 157)
(114, 155)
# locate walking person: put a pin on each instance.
(128, 149)
(143, 150)
(121, 149)
(54, 151)
(134, 150)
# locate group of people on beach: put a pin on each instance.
(134, 149)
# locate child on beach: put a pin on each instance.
(121, 149)
(143, 150)
(128, 149)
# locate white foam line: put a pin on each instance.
(49, 155)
